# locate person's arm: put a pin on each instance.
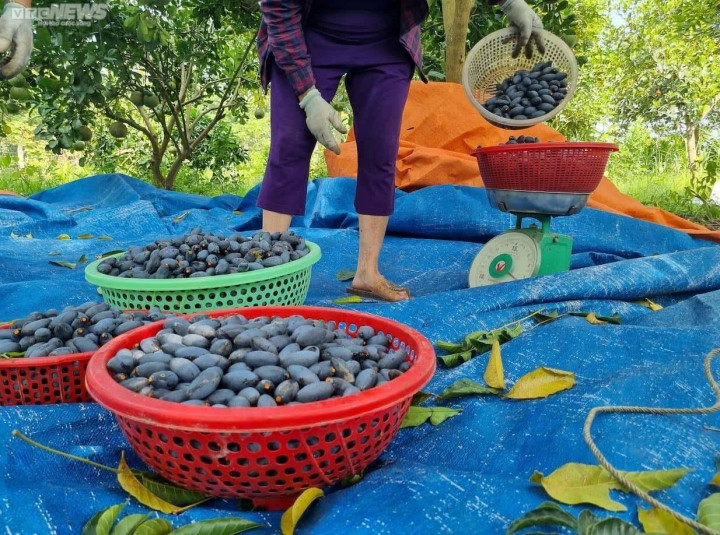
(16, 36)
(287, 42)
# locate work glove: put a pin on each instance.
(319, 115)
(16, 39)
(527, 24)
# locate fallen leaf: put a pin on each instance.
(541, 383)
(64, 237)
(109, 253)
(545, 514)
(129, 524)
(85, 236)
(575, 483)
(348, 299)
(82, 260)
(456, 358)
(137, 490)
(104, 237)
(345, 275)
(592, 318)
(420, 398)
(708, 512)
(291, 517)
(435, 415)
(60, 263)
(466, 387)
(216, 526)
(237, 212)
(102, 521)
(614, 319)
(154, 526)
(352, 480)
(13, 235)
(171, 493)
(659, 521)
(54, 253)
(180, 217)
(649, 304)
(612, 526)
(493, 375)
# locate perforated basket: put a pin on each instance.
(43, 380)
(489, 62)
(268, 455)
(286, 284)
(566, 167)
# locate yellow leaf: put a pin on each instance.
(292, 516)
(85, 236)
(541, 383)
(575, 483)
(180, 217)
(592, 318)
(64, 237)
(658, 521)
(348, 299)
(494, 370)
(237, 212)
(141, 493)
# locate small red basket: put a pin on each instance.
(563, 167)
(268, 455)
(43, 380)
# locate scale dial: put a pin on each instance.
(509, 256)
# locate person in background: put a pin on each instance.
(304, 49)
(16, 38)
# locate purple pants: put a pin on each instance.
(378, 72)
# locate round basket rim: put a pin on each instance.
(29, 362)
(132, 406)
(502, 122)
(554, 145)
(200, 283)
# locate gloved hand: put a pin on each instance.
(319, 116)
(527, 24)
(16, 39)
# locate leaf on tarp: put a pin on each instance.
(716, 478)
(293, 514)
(129, 524)
(450, 347)
(435, 415)
(180, 217)
(154, 526)
(109, 253)
(599, 320)
(541, 383)
(708, 512)
(82, 260)
(545, 514)
(647, 303)
(656, 520)
(237, 212)
(612, 526)
(592, 318)
(85, 236)
(28, 235)
(102, 521)
(71, 211)
(64, 237)
(137, 490)
(466, 387)
(455, 359)
(345, 275)
(352, 480)
(541, 316)
(493, 375)
(12, 355)
(61, 263)
(420, 398)
(104, 237)
(171, 493)
(217, 526)
(585, 520)
(348, 299)
(575, 483)
(54, 253)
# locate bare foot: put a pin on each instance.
(381, 289)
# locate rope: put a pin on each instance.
(618, 475)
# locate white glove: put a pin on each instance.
(319, 115)
(16, 39)
(528, 25)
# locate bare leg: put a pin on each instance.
(275, 222)
(367, 274)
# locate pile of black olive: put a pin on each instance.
(512, 140)
(529, 94)
(259, 362)
(198, 254)
(74, 329)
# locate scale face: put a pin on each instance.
(512, 255)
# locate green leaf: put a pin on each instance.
(61, 263)
(467, 387)
(545, 514)
(456, 359)
(85, 236)
(450, 347)
(155, 526)
(12, 355)
(612, 526)
(542, 317)
(217, 526)
(345, 275)
(435, 415)
(292, 516)
(348, 299)
(110, 253)
(129, 524)
(101, 523)
(585, 520)
(171, 493)
(708, 512)
(82, 260)
(352, 480)
(420, 398)
(591, 317)
(104, 237)
(137, 490)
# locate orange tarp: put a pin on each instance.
(441, 128)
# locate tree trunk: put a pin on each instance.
(456, 17)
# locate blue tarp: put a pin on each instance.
(468, 475)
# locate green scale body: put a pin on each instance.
(521, 253)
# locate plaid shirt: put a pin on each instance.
(281, 34)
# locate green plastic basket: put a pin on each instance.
(286, 284)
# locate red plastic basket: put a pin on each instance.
(43, 380)
(268, 455)
(564, 167)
